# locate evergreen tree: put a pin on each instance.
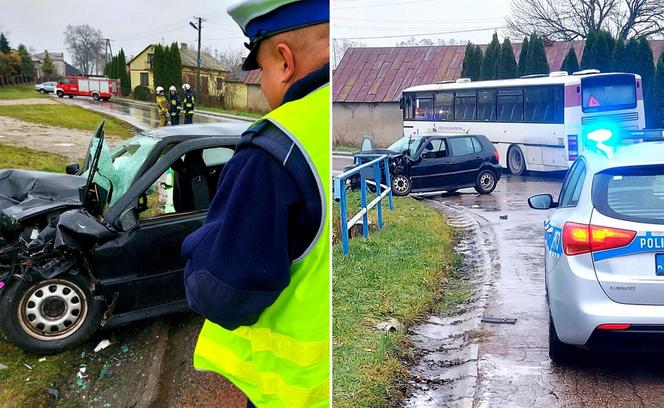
(468, 59)
(490, 61)
(506, 68)
(646, 68)
(158, 65)
(4, 44)
(618, 56)
(631, 55)
(125, 81)
(478, 57)
(658, 94)
(523, 56)
(48, 69)
(588, 60)
(536, 62)
(27, 68)
(176, 64)
(570, 63)
(603, 51)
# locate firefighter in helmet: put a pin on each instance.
(162, 106)
(174, 105)
(188, 104)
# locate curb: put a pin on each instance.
(338, 153)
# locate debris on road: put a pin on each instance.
(102, 345)
(125, 348)
(503, 217)
(390, 326)
(82, 378)
(498, 320)
(41, 360)
(3, 367)
(53, 392)
(29, 367)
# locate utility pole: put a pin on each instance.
(198, 27)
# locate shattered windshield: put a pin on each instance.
(118, 168)
(404, 143)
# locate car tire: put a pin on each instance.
(42, 91)
(60, 94)
(65, 303)
(559, 352)
(516, 162)
(401, 185)
(486, 182)
(95, 96)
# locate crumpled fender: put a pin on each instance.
(79, 230)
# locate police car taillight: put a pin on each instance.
(582, 238)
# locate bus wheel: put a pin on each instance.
(516, 163)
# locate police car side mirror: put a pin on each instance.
(542, 202)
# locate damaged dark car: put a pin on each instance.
(100, 245)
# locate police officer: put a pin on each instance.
(162, 107)
(258, 269)
(174, 105)
(188, 104)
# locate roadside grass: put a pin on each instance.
(67, 116)
(344, 148)
(23, 158)
(21, 386)
(26, 91)
(406, 271)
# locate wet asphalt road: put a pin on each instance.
(140, 116)
(513, 367)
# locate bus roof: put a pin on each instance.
(552, 79)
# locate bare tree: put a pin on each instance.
(573, 19)
(339, 48)
(232, 58)
(86, 45)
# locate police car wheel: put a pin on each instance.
(486, 182)
(559, 352)
(401, 185)
(50, 315)
(515, 161)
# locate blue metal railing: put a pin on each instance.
(381, 192)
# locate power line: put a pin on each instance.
(420, 34)
(401, 3)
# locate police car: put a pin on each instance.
(604, 255)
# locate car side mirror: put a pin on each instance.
(542, 202)
(128, 220)
(73, 168)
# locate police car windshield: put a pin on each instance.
(631, 193)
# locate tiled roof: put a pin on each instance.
(380, 74)
(188, 58)
(253, 77)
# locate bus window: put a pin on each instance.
(408, 108)
(444, 106)
(486, 105)
(424, 107)
(608, 92)
(543, 104)
(465, 104)
(510, 105)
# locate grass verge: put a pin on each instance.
(26, 91)
(344, 148)
(67, 116)
(405, 272)
(23, 158)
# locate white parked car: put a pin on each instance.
(604, 255)
(45, 87)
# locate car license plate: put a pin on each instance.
(659, 264)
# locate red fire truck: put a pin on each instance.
(95, 86)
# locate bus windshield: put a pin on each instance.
(608, 92)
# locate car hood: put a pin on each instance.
(24, 193)
(376, 152)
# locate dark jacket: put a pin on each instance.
(257, 224)
(188, 103)
(174, 104)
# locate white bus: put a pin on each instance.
(536, 123)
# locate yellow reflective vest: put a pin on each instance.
(283, 360)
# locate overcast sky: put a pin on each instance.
(473, 20)
(131, 25)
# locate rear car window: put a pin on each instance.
(631, 193)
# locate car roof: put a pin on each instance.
(200, 130)
(638, 154)
(447, 135)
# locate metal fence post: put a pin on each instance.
(363, 200)
(379, 209)
(388, 182)
(344, 215)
